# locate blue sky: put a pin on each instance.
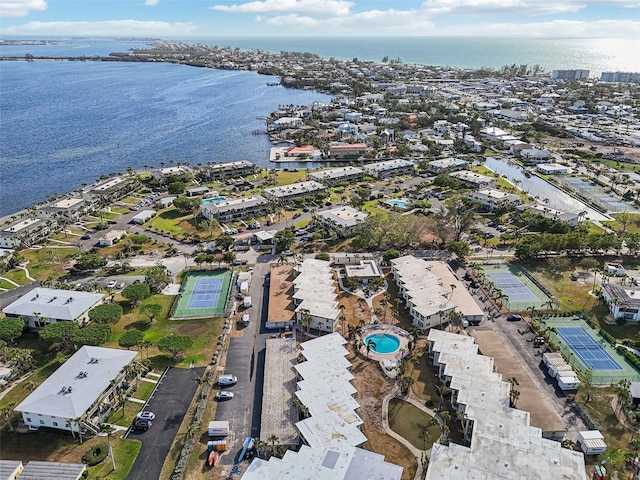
(216, 18)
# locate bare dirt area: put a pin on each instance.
(372, 387)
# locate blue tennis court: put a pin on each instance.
(512, 286)
(206, 293)
(587, 348)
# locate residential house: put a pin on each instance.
(23, 233)
(287, 122)
(343, 220)
(331, 433)
(80, 393)
(347, 150)
(499, 441)
(143, 216)
(432, 293)
(196, 191)
(474, 180)
(446, 165)
(235, 208)
(623, 301)
(572, 219)
(315, 297)
(110, 190)
(553, 169)
(179, 171)
(111, 237)
(221, 171)
(334, 176)
(535, 155)
(50, 305)
(305, 151)
(286, 193)
(388, 168)
(492, 199)
(70, 208)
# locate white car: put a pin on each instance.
(145, 415)
(121, 285)
(112, 284)
(224, 395)
(227, 380)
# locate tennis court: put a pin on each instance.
(203, 294)
(588, 352)
(587, 349)
(522, 291)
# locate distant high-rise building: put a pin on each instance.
(622, 77)
(570, 74)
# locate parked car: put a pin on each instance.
(136, 281)
(306, 209)
(146, 415)
(112, 284)
(514, 318)
(297, 214)
(224, 395)
(140, 424)
(240, 230)
(226, 380)
(86, 236)
(121, 285)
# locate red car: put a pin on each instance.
(240, 230)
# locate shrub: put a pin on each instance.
(96, 455)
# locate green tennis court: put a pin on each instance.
(203, 294)
(521, 291)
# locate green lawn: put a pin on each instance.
(43, 262)
(124, 453)
(173, 222)
(204, 332)
(6, 285)
(18, 276)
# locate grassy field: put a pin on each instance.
(18, 276)
(45, 263)
(175, 223)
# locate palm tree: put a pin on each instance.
(371, 345)
(192, 430)
(273, 439)
(7, 412)
(405, 384)
(453, 287)
(444, 426)
(305, 319)
(568, 443)
(513, 397)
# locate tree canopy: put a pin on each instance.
(11, 328)
(131, 338)
(151, 310)
(223, 242)
(136, 292)
(70, 336)
(284, 239)
(157, 278)
(186, 205)
(90, 261)
(106, 313)
(175, 344)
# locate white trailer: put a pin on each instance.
(218, 428)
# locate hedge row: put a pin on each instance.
(629, 355)
(96, 455)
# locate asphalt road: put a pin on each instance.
(245, 360)
(169, 402)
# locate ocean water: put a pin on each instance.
(67, 123)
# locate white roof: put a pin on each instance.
(471, 177)
(300, 188)
(78, 383)
(345, 216)
(53, 303)
(335, 173)
(21, 225)
(332, 431)
(428, 286)
(389, 165)
(503, 443)
(314, 285)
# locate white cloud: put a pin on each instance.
(20, 8)
(372, 22)
(106, 28)
(515, 7)
(326, 7)
(151, 3)
(551, 29)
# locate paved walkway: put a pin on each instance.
(26, 272)
(136, 400)
(148, 380)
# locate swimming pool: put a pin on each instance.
(383, 342)
(397, 203)
(213, 200)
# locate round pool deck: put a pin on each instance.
(402, 335)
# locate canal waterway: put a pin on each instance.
(541, 189)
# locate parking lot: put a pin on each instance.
(169, 402)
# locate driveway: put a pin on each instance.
(245, 359)
(169, 402)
